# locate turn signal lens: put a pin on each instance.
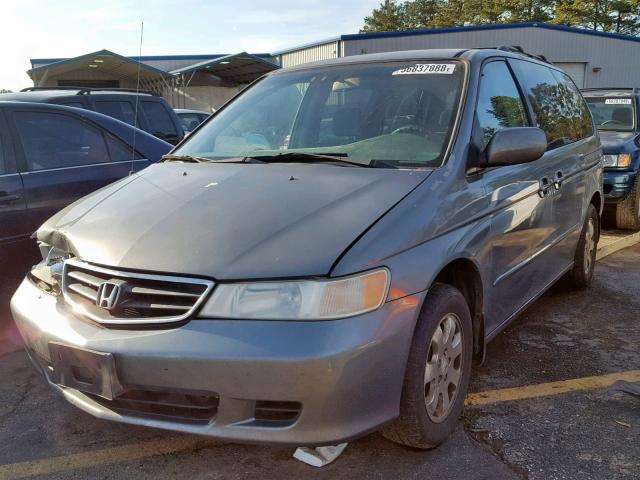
(624, 160)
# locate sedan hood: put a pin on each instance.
(229, 221)
(612, 142)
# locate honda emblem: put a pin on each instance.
(108, 295)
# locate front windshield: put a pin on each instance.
(400, 114)
(614, 113)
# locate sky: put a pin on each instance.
(64, 28)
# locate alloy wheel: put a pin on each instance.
(443, 371)
(589, 246)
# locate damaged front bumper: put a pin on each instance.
(297, 382)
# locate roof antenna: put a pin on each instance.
(135, 117)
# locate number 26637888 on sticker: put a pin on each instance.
(427, 68)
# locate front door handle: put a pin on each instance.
(545, 187)
(557, 183)
(6, 200)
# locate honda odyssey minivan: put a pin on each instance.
(327, 255)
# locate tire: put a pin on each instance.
(584, 260)
(628, 210)
(424, 424)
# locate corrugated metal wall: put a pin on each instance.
(619, 60)
(310, 54)
(172, 64)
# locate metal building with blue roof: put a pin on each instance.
(592, 58)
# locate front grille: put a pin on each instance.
(172, 406)
(115, 297)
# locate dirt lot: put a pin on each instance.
(533, 420)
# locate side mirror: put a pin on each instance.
(512, 146)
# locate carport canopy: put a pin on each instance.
(101, 62)
(239, 68)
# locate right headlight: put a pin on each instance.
(299, 299)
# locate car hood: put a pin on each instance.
(229, 221)
(613, 141)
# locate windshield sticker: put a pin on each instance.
(426, 68)
(617, 101)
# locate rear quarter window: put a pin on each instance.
(121, 151)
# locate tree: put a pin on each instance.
(620, 16)
(3, 90)
(420, 13)
(387, 17)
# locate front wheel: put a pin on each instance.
(437, 373)
(628, 210)
(584, 260)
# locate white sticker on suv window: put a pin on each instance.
(426, 68)
(617, 101)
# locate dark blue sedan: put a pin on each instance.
(52, 155)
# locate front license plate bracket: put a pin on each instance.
(85, 370)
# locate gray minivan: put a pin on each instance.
(327, 255)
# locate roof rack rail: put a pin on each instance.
(88, 90)
(634, 90)
(520, 50)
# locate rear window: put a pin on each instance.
(159, 120)
(613, 113)
(117, 109)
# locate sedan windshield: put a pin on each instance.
(614, 113)
(386, 115)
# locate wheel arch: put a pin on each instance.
(464, 275)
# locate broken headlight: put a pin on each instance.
(47, 275)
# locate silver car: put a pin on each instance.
(327, 255)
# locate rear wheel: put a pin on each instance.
(585, 257)
(628, 210)
(438, 370)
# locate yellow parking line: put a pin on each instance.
(137, 451)
(551, 388)
(104, 456)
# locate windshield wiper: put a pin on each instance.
(184, 158)
(338, 158)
